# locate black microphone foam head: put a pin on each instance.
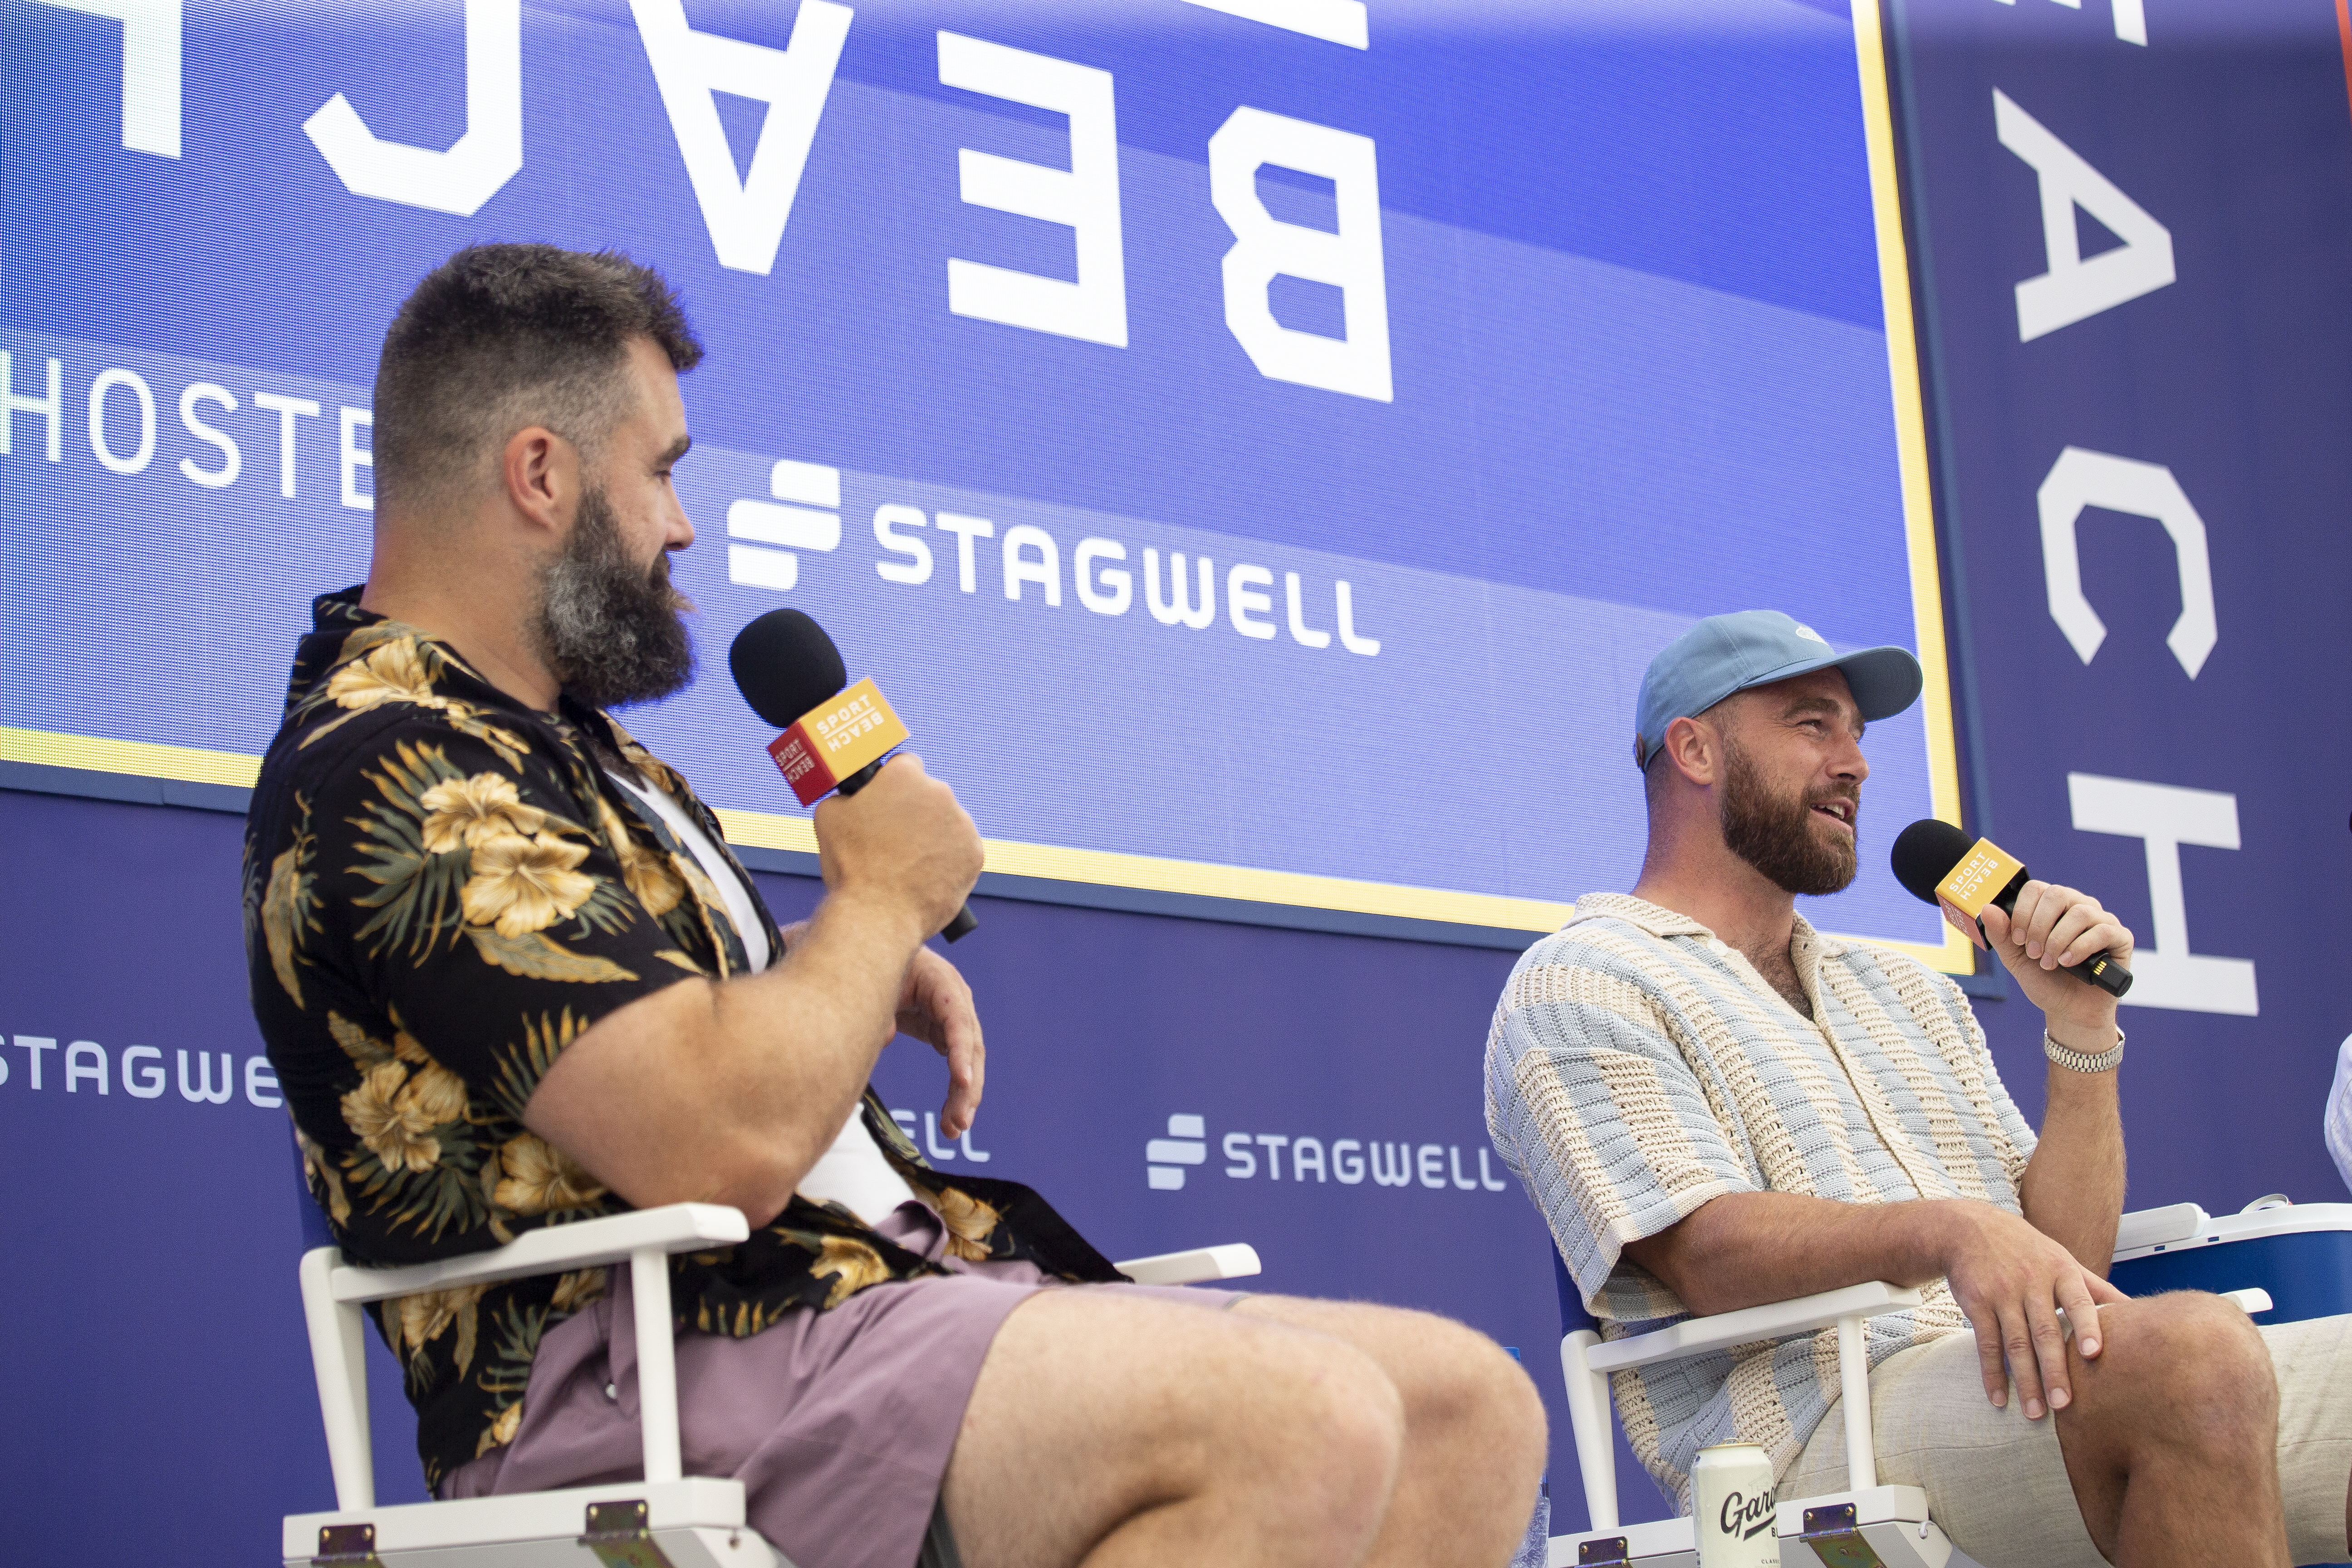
(785, 665)
(1925, 852)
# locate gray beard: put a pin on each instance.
(609, 629)
(1776, 835)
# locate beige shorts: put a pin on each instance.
(1997, 1482)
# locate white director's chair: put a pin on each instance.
(1866, 1523)
(669, 1519)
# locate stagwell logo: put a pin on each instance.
(804, 515)
(139, 1072)
(1347, 1161)
(1167, 1157)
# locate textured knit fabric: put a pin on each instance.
(1639, 1067)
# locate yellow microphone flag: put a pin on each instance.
(1980, 877)
(831, 742)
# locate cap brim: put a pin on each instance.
(1884, 680)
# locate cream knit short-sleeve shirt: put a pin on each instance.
(1638, 1067)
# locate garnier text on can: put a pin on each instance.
(1731, 1494)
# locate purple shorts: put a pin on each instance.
(839, 1424)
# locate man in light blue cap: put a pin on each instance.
(1716, 1106)
(1794, 839)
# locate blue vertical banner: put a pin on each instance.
(2134, 229)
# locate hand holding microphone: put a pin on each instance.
(907, 838)
(2036, 928)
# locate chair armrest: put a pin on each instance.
(2151, 1227)
(553, 1249)
(1234, 1260)
(1778, 1320)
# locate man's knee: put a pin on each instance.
(1454, 1380)
(1327, 1414)
(1482, 1389)
(2192, 1368)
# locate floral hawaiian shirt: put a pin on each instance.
(443, 889)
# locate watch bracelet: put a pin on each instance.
(2084, 1061)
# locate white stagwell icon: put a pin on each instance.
(1185, 1145)
(804, 515)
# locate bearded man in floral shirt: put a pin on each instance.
(510, 976)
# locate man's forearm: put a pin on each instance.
(728, 1092)
(2074, 1187)
(1743, 1249)
(810, 1028)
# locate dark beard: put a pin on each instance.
(1775, 835)
(608, 628)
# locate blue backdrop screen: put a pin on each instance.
(1294, 451)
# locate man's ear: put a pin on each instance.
(1694, 748)
(540, 471)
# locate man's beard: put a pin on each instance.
(1775, 832)
(608, 628)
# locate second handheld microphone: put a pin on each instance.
(835, 736)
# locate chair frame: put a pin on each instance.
(334, 1292)
(1891, 1521)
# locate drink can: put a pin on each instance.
(1731, 1497)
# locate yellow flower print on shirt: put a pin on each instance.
(852, 1264)
(463, 813)
(501, 1431)
(647, 872)
(539, 1178)
(393, 673)
(426, 1316)
(397, 1124)
(577, 1288)
(435, 1094)
(522, 885)
(323, 1177)
(971, 1224)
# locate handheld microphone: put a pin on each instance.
(1932, 856)
(835, 736)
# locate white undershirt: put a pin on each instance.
(853, 1172)
(731, 890)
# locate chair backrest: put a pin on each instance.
(1572, 1315)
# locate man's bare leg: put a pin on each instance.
(1474, 1431)
(2171, 1439)
(1108, 1429)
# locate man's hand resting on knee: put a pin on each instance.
(2009, 1278)
(1743, 1249)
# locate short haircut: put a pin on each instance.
(502, 337)
(1653, 773)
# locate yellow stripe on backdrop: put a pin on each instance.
(1955, 957)
(1048, 862)
(189, 765)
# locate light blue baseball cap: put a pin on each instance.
(1724, 654)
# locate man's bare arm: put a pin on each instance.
(2073, 1185)
(727, 1092)
(1743, 1249)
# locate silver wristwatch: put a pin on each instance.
(2078, 1061)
